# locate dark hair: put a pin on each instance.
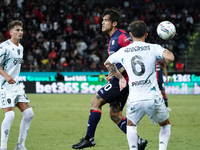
(138, 28)
(14, 23)
(115, 15)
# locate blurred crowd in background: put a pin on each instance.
(66, 35)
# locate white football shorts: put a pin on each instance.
(11, 96)
(155, 109)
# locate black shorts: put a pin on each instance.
(161, 85)
(111, 93)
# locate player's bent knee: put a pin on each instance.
(115, 110)
(10, 115)
(31, 115)
(97, 102)
(94, 102)
(28, 113)
(130, 123)
(115, 118)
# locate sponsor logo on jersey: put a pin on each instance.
(127, 40)
(17, 61)
(113, 42)
(141, 82)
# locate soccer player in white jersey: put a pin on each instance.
(11, 54)
(139, 60)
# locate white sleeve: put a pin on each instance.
(2, 53)
(159, 51)
(116, 57)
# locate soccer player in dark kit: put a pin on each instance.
(159, 74)
(110, 92)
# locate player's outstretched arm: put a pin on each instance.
(115, 72)
(8, 78)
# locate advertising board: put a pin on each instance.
(90, 82)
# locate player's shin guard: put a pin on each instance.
(24, 126)
(94, 118)
(5, 127)
(132, 137)
(122, 124)
(164, 136)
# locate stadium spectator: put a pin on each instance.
(30, 58)
(63, 45)
(81, 46)
(43, 26)
(69, 29)
(62, 59)
(53, 55)
(71, 65)
(46, 45)
(179, 66)
(69, 18)
(34, 66)
(196, 16)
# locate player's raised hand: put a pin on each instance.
(122, 83)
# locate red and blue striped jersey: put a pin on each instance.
(119, 39)
(159, 73)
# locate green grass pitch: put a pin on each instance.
(61, 120)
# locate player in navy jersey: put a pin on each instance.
(159, 73)
(110, 92)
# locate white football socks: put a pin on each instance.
(132, 137)
(24, 126)
(5, 127)
(164, 136)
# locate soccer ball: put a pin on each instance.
(166, 30)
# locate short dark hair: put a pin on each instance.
(138, 28)
(115, 15)
(14, 23)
